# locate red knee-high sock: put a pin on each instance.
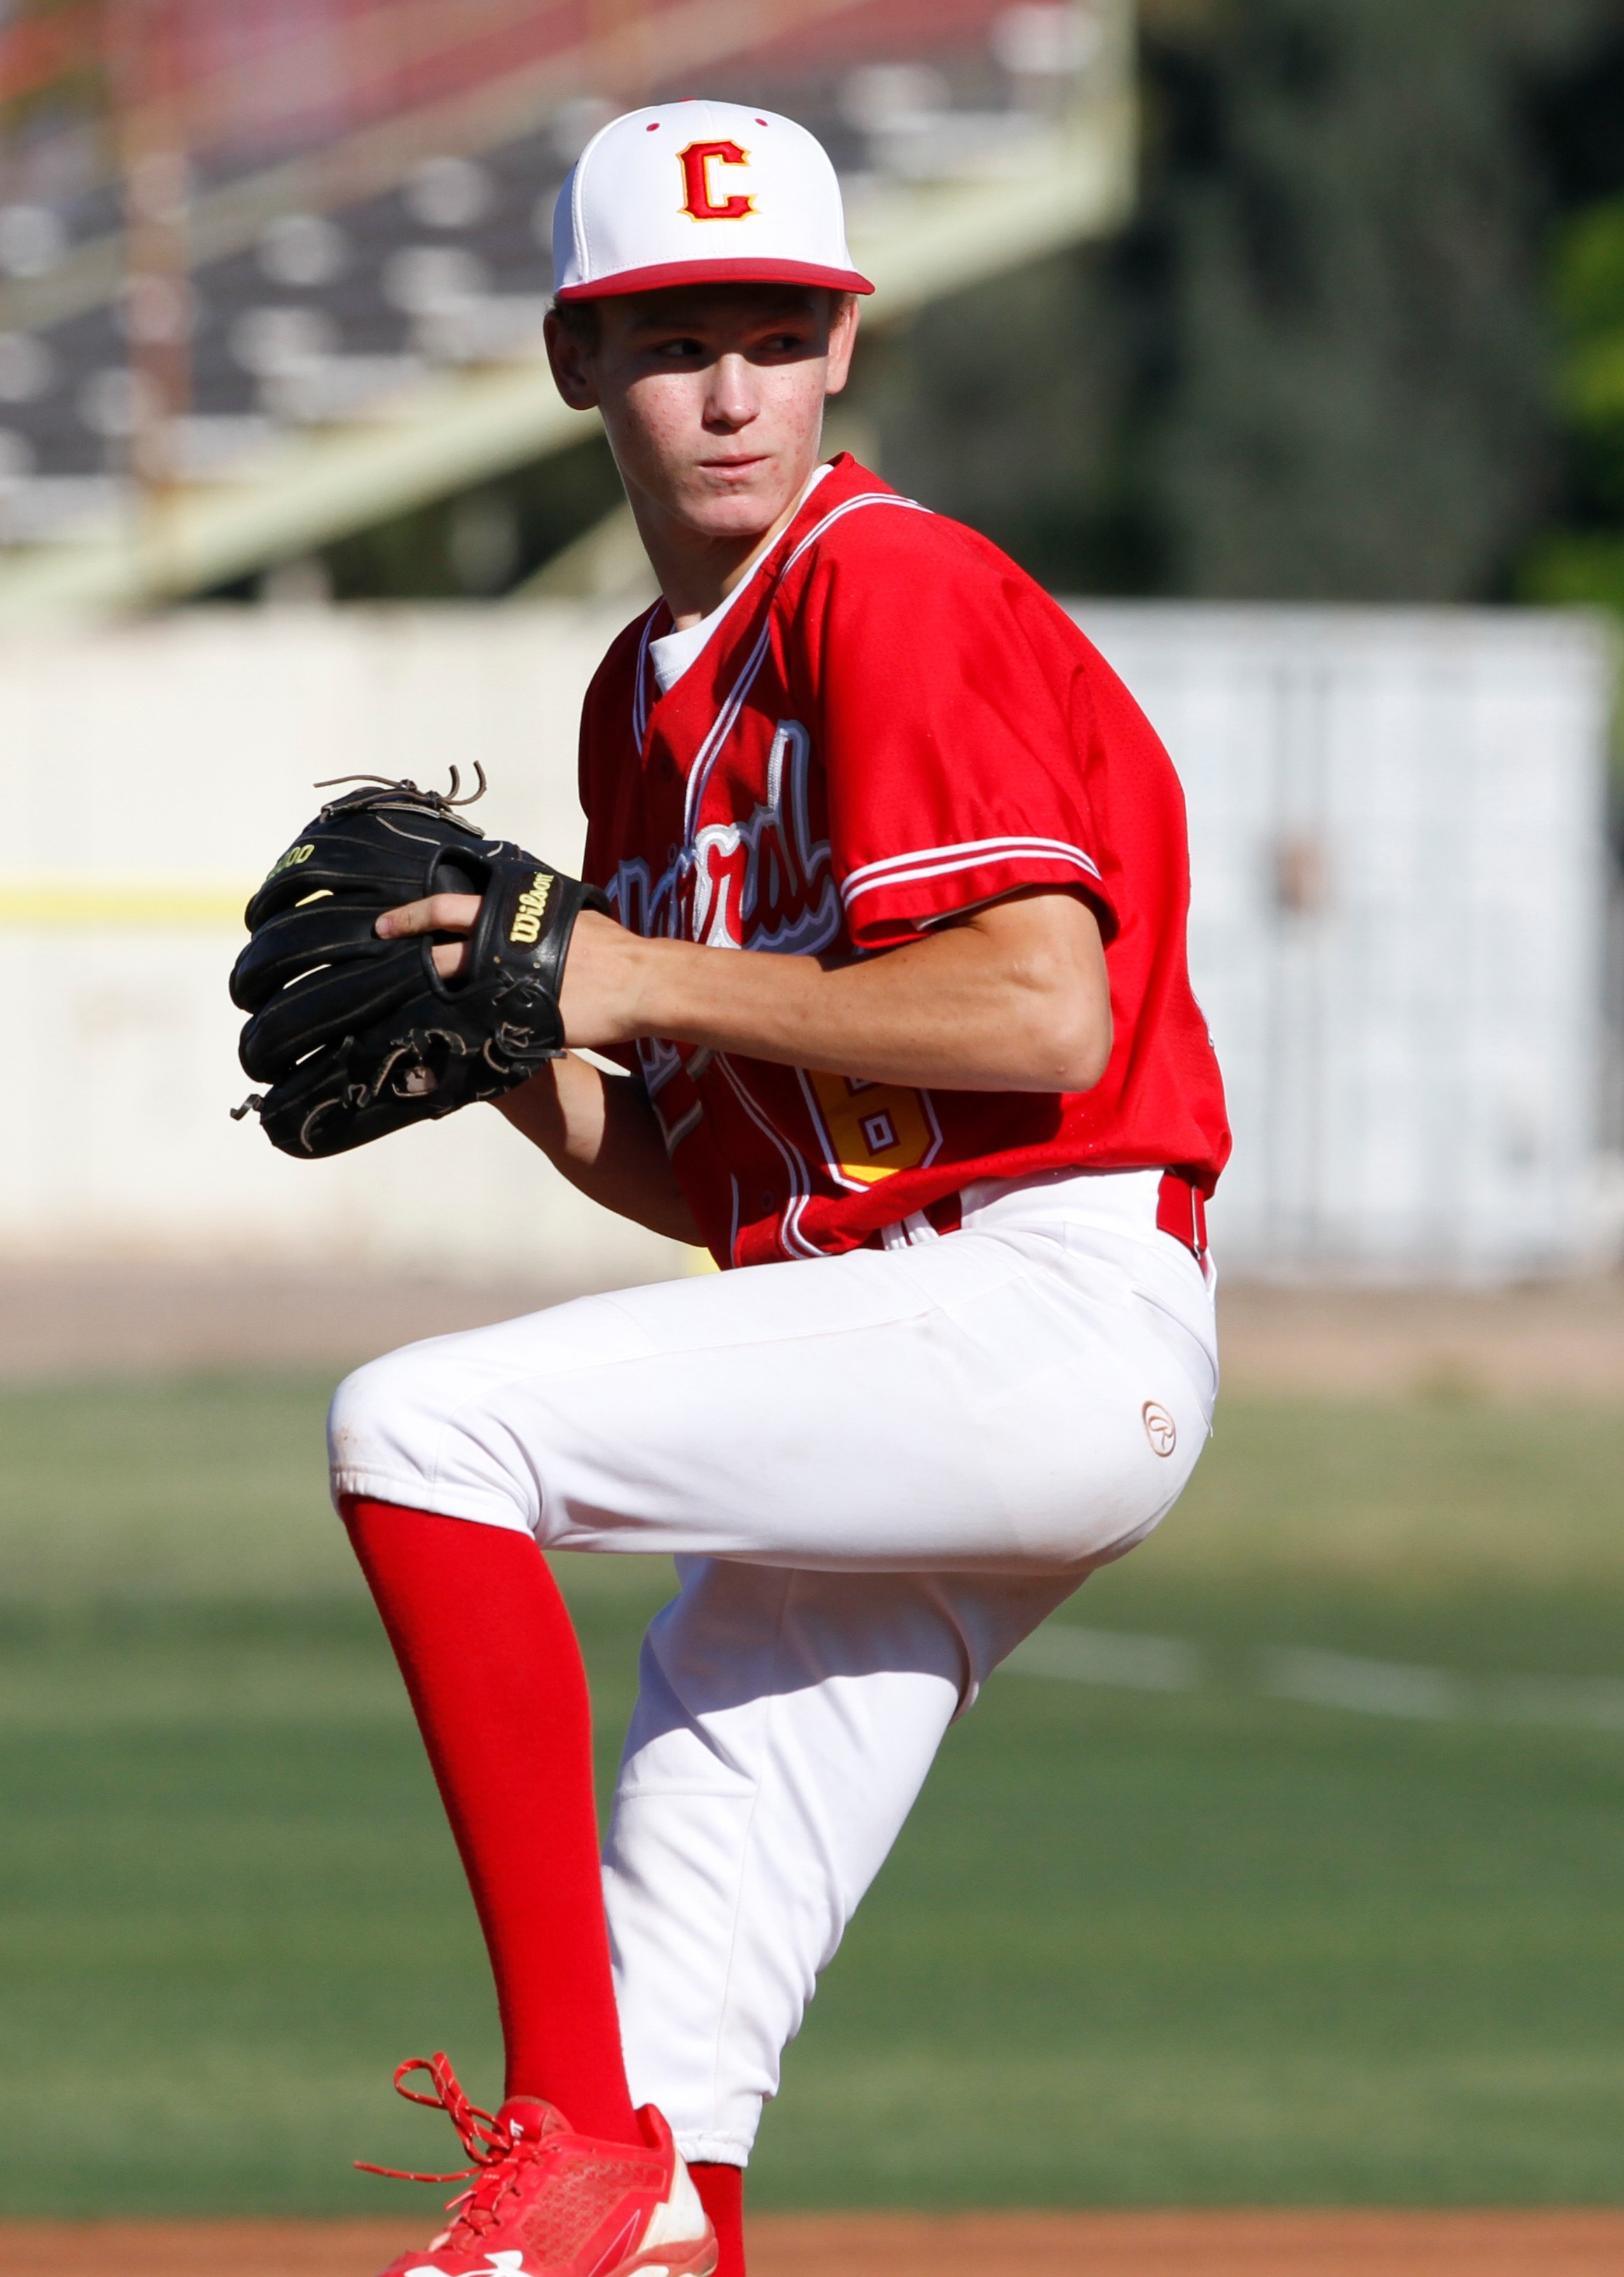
(721, 2194)
(489, 1654)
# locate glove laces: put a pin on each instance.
(494, 2151)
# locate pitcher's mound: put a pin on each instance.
(1566, 2244)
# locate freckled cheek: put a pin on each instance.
(656, 419)
(792, 400)
(661, 422)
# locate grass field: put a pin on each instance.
(1206, 1945)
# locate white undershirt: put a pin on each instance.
(672, 654)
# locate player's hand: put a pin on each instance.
(601, 973)
(440, 913)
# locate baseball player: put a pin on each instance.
(947, 1124)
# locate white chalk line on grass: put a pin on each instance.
(1139, 1664)
(1070, 1655)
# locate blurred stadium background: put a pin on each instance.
(1284, 339)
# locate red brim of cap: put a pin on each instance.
(714, 272)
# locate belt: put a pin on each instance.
(1181, 1210)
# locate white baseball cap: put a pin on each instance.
(698, 193)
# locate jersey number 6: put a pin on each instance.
(870, 1130)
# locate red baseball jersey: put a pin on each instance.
(892, 725)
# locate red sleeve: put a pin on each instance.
(603, 747)
(956, 728)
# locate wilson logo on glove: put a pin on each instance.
(526, 926)
(356, 1037)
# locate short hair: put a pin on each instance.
(582, 320)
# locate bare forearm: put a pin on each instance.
(1025, 1010)
(600, 1131)
(1012, 997)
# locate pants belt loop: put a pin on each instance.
(1181, 1210)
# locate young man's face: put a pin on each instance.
(713, 395)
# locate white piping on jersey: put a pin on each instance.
(658, 1062)
(970, 854)
(735, 701)
(791, 1240)
(639, 694)
(675, 652)
(680, 1130)
(778, 833)
(721, 728)
(780, 853)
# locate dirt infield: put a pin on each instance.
(1558, 2244)
(1559, 1340)
(1554, 1340)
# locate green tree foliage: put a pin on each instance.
(1319, 365)
(1582, 560)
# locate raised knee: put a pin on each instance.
(369, 1421)
(418, 1427)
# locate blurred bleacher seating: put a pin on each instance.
(270, 270)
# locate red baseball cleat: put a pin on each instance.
(548, 2202)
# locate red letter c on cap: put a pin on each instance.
(696, 162)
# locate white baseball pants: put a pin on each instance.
(878, 1474)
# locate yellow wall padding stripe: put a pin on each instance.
(89, 905)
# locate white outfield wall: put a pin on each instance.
(1396, 926)
(1397, 826)
(150, 775)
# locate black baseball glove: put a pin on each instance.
(357, 1037)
